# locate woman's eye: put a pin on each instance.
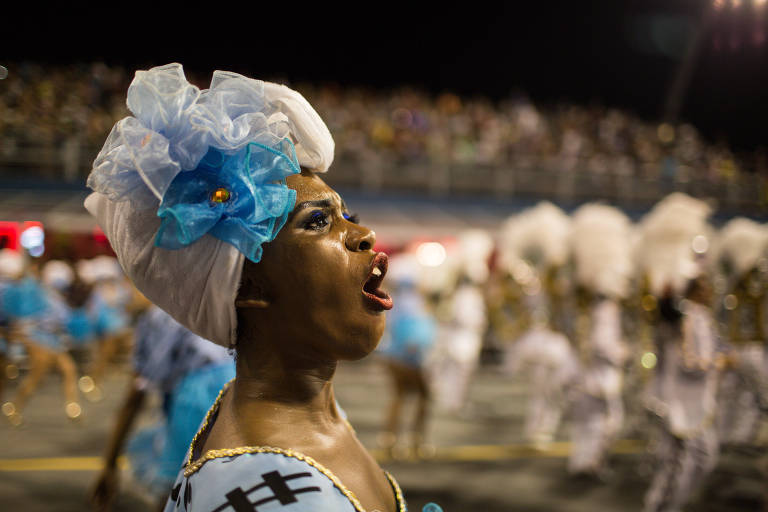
(317, 220)
(352, 217)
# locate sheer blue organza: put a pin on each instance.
(258, 205)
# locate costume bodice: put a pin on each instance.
(260, 479)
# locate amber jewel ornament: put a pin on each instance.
(220, 195)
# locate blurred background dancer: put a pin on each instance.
(673, 246)
(187, 372)
(743, 246)
(603, 268)
(411, 331)
(461, 337)
(533, 254)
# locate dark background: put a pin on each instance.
(613, 53)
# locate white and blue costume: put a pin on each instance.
(40, 314)
(4, 318)
(412, 329)
(106, 307)
(188, 372)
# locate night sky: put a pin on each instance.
(609, 52)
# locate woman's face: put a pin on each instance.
(320, 277)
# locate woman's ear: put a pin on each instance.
(252, 292)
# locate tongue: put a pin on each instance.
(372, 285)
(380, 296)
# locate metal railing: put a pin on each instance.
(746, 193)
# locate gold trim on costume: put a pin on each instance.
(398, 493)
(192, 467)
(208, 415)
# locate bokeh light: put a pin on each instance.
(700, 244)
(648, 360)
(431, 254)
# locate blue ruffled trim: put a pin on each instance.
(257, 208)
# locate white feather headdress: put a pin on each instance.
(538, 236)
(475, 248)
(741, 243)
(602, 250)
(671, 239)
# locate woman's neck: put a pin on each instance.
(274, 389)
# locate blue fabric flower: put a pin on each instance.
(184, 143)
(255, 210)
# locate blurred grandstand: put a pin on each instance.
(474, 160)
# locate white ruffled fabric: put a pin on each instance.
(174, 126)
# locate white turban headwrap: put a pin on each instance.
(174, 127)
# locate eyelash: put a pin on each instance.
(352, 217)
(317, 220)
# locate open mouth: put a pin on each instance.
(377, 298)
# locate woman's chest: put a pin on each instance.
(270, 479)
(365, 479)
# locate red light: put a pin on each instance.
(9, 235)
(31, 223)
(98, 236)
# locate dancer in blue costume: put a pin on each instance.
(10, 267)
(107, 307)
(412, 330)
(213, 203)
(37, 320)
(61, 281)
(187, 372)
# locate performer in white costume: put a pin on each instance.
(742, 257)
(603, 266)
(460, 340)
(673, 242)
(534, 248)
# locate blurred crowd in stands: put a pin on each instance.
(68, 111)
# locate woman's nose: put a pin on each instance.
(360, 238)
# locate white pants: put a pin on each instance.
(682, 466)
